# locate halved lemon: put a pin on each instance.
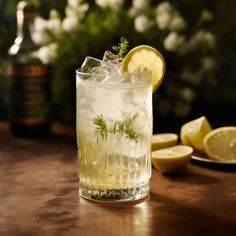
(163, 140)
(220, 144)
(172, 159)
(193, 133)
(151, 60)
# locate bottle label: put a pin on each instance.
(29, 93)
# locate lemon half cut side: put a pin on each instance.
(193, 132)
(220, 144)
(163, 140)
(172, 159)
(151, 60)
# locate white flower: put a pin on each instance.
(113, 4)
(48, 53)
(138, 7)
(210, 39)
(132, 12)
(40, 24)
(173, 41)
(140, 4)
(208, 63)
(177, 23)
(141, 23)
(70, 11)
(101, 3)
(163, 20)
(82, 9)
(78, 11)
(53, 14)
(188, 94)
(163, 8)
(202, 38)
(70, 23)
(168, 17)
(74, 12)
(54, 26)
(40, 38)
(54, 23)
(72, 3)
(39, 34)
(192, 77)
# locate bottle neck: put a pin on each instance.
(24, 23)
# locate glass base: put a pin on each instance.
(113, 195)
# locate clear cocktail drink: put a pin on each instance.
(114, 132)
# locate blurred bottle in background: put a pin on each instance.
(29, 79)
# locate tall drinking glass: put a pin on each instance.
(114, 132)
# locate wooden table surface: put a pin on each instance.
(39, 196)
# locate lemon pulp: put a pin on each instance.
(163, 140)
(220, 144)
(172, 159)
(194, 132)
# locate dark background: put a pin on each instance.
(217, 101)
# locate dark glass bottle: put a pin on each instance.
(30, 93)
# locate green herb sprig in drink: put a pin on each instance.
(123, 128)
(122, 48)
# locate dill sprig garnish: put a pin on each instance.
(126, 128)
(122, 48)
(123, 128)
(101, 126)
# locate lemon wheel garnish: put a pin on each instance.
(193, 133)
(172, 159)
(163, 140)
(220, 144)
(150, 58)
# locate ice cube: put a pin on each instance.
(131, 149)
(84, 114)
(140, 74)
(111, 59)
(95, 66)
(105, 105)
(113, 78)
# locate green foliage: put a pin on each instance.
(195, 69)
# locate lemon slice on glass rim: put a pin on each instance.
(151, 60)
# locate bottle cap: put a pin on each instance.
(28, 10)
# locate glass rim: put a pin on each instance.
(79, 72)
